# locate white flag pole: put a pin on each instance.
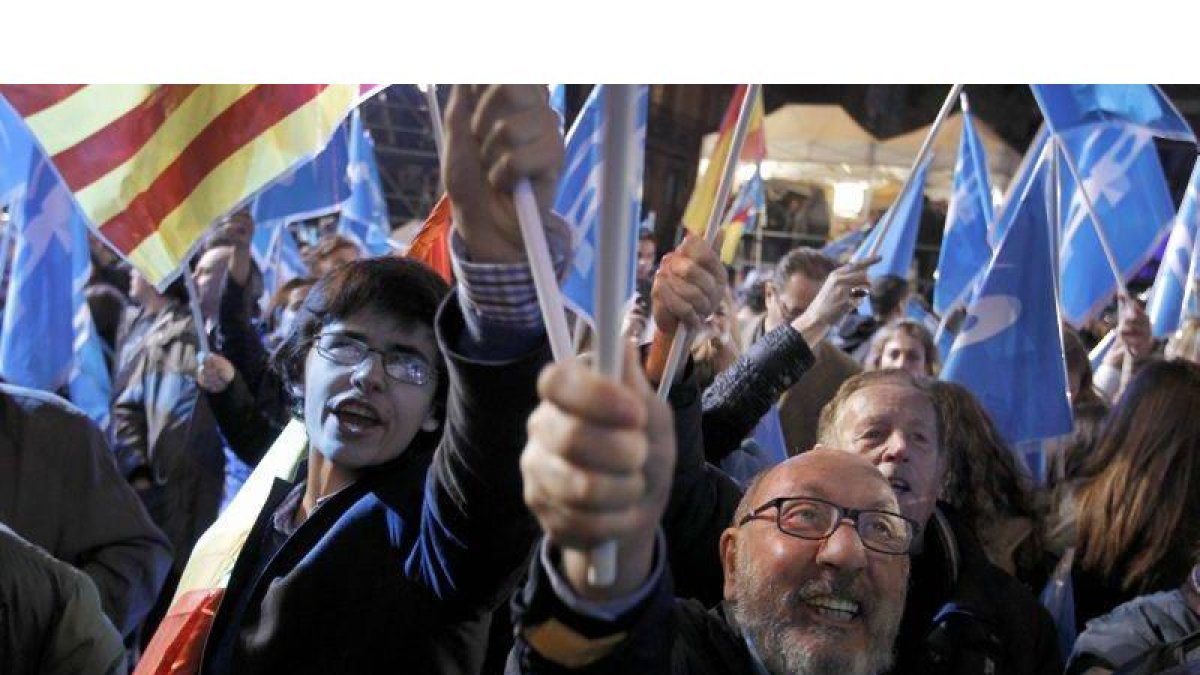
(197, 315)
(435, 121)
(922, 153)
(1105, 245)
(545, 282)
(683, 337)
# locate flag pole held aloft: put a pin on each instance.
(922, 153)
(683, 336)
(435, 121)
(197, 315)
(1105, 245)
(537, 251)
(616, 223)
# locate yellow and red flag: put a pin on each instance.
(754, 149)
(432, 243)
(154, 166)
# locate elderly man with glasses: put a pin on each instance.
(815, 561)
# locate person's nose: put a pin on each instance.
(369, 374)
(843, 549)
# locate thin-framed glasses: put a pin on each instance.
(816, 519)
(400, 366)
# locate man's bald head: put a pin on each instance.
(798, 470)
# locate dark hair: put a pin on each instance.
(910, 327)
(983, 480)
(803, 260)
(280, 298)
(327, 246)
(826, 433)
(177, 290)
(1076, 355)
(887, 294)
(756, 297)
(401, 288)
(1139, 500)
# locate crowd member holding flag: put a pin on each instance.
(405, 528)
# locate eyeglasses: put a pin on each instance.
(816, 519)
(400, 366)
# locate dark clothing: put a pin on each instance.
(661, 635)
(400, 570)
(163, 430)
(1096, 596)
(963, 612)
(60, 489)
(50, 617)
(1132, 629)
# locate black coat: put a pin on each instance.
(398, 572)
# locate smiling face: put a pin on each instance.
(357, 416)
(829, 606)
(894, 426)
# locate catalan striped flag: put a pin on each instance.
(695, 218)
(154, 166)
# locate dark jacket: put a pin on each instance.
(163, 430)
(1132, 629)
(399, 571)
(60, 489)
(50, 617)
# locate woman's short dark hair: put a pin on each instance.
(400, 288)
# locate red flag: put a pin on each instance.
(432, 244)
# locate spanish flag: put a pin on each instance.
(154, 166)
(695, 218)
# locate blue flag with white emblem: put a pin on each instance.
(16, 147)
(1166, 297)
(48, 340)
(275, 250)
(1124, 179)
(364, 217)
(315, 188)
(1009, 352)
(900, 243)
(965, 248)
(578, 197)
(1071, 106)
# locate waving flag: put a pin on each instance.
(748, 209)
(1071, 106)
(274, 249)
(1010, 353)
(364, 217)
(16, 147)
(965, 248)
(432, 243)
(49, 341)
(844, 245)
(152, 167)
(900, 243)
(754, 149)
(578, 197)
(315, 188)
(1021, 178)
(1166, 298)
(1124, 178)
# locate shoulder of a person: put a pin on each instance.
(40, 409)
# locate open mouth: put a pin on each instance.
(837, 609)
(357, 415)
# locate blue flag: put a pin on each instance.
(1125, 181)
(578, 197)
(49, 341)
(275, 250)
(1166, 297)
(16, 147)
(844, 245)
(1010, 352)
(1070, 106)
(314, 188)
(364, 217)
(1002, 220)
(900, 243)
(965, 248)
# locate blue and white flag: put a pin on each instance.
(1024, 174)
(364, 217)
(844, 245)
(579, 195)
(1144, 106)
(1166, 297)
(900, 243)
(315, 188)
(275, 250)
(913, 309)
(558, 101)
(1010, 352)
(965, 248)
(48, 340)
(1124, 179)
(16, 147)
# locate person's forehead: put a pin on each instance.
(841, 480)
(889, 399)
(385, 330)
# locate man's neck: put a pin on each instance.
(325, 478)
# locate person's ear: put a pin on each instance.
(729, 544)
(433, 419)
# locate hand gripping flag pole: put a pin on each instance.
(683, 336)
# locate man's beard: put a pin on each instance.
(767, 614)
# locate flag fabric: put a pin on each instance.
(844, 245)
(152, 167)
(1010, 352)
(578, 197)
(278, 257)
(1191, 301)
(900, 243)
(312, 189)
(16, 147)
(558, 101)
(754, 149)
(745, 215)
(49, 340)
(1166, 297)
(1021, 178)
(1071, 106)
(965, 249)
(432, 243)
(915, 310)
(1124, 179)
(364, 217)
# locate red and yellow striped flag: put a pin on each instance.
(154, 166)
(754, 149)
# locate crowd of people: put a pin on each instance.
(423, 490)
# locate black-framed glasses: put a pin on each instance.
(400, 366)
(816, 519)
